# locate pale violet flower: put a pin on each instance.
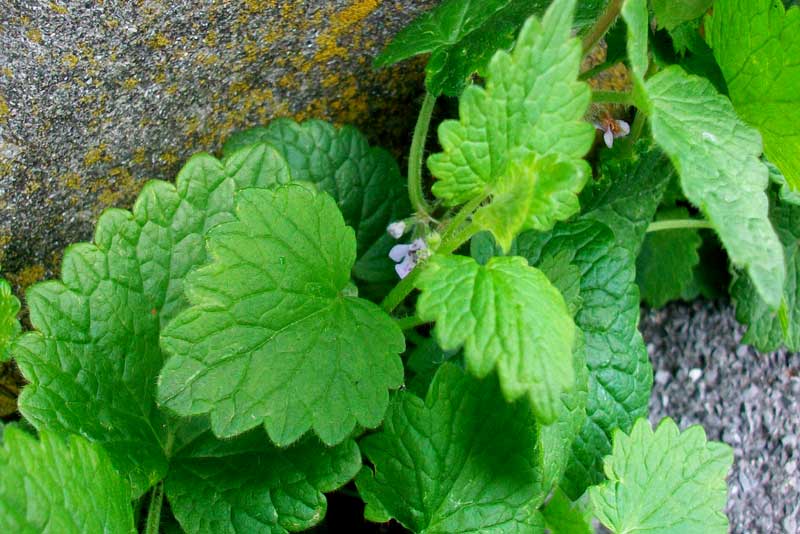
(612, 129)
(396, 229)
(408, 255)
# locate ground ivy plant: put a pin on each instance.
(460, 348)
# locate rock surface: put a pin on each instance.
(97, 97)
(751, 401)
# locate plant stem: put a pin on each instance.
(602, 25)
(400, 291)
(638, 125)
(463, 214)
(416, 155)
(677, 224)
(585, 75)
(452, 237)
(154, 510)
(612, 97)
(407, 323)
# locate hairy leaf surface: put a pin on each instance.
(665, 481)
(716, 156)
(364, 180)
(507, 316)
(9, 324)
(56, 486)
(757, 46)
(462, 460)
(271, 338)
(535, 194)
(94, 358)
(532, 103)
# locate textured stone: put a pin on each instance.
(749, 400)
(98, 97)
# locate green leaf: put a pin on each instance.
(508, 316)
(716, 156)
(667, 481)
(423, 362)
(9, 324)
(270, 337)
(94, 358)
(463, 460)
(757, 43)
(767, 329)
(562, 516)
(566, 276)
(532, 103)
(620, 375)
(627, 193)
(462, 36)
(636, 17)
(364, 180)
(60, 486)
(671, 13)
(665, 266)
(248, 485)
(535, 193)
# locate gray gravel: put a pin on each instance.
(751, 401)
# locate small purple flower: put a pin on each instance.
(612, 129)
(408, 255)
(396, 229)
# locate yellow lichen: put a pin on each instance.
(96, 155)
(61, 10)
(159, 40)
(8, 73)
(34, 35)
(130, 83)
(4, 111)
(70, 60)
(27, 276)
(72, 180)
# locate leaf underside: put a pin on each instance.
(717, 158)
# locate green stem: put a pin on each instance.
(453, 236)
(154, 510)
(602, 25)
(463, 214)
(399, 292)
(677, 224)
(638, 126)
(612, 97)
(407, 323)
(416, 155)
(585, 75)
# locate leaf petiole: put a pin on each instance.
(453, 236)
(602, 25)
(154, 509)
(416, 155)
(678, 224)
